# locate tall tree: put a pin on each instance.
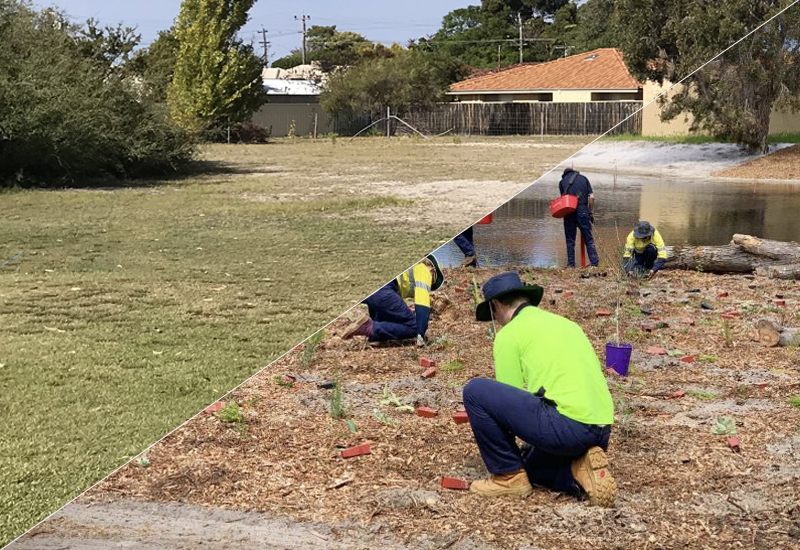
(155, 65)
(216, 76)
(411, 80)
(733, 97)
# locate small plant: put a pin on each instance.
(292, 133)
(727, 334)
(452, 366)
(230, 413)
(442, 343)
(698, 394)
(795, 402)
(389, 398)
(351, 426)
(337, 399)
(381, 417)
(283, 381)
(476, 291)
(310, 348)
(457, 139)
(143, 461)
(707, 358)
(742, 391)
(725, 426)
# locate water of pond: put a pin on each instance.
(685, 212)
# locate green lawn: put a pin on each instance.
(132, 308)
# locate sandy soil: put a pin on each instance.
(781, 165)
(681, 486)
(662, 159)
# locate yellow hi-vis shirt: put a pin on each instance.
(640, 244)
(538, 349)
(416, 283)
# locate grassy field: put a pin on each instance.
(133, 307)
(697, 139)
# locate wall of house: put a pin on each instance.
(781, 121)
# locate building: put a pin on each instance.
(291, 91)
(595, 76)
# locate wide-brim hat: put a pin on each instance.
(503, 285)
(438, 279)
(643, 229)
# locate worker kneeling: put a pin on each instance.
(550, 392)
(389, 317)
(645, 252)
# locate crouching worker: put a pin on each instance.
(549, 391)
(389, 317)
(645, 252)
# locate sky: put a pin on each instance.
(378, 20)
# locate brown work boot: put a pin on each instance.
(513, 484)
(360, 327)
(469, 261)
(592, 474)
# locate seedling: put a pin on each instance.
(381, 417)
(351, 426)
(727, 334)
(703, 395)
(725, 426)
(795, 402)
(389, 398)
(283, 381)
(230, 414)
(310, 349)
(337, 408)
(143, 461)
(707, 359)
(452, 366)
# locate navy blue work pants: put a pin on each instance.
(392, 319)
(582, 219)
(644, 261)
(465, 242)
(498, 413)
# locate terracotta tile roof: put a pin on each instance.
(601, 69)
(477, 73)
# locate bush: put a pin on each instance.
(64, 116)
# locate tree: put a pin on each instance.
(733, 97)
(290, 61)
(155, 65)
(64, 115)
(331, 48)
(217, 78)
(527, 8)
(412, 80)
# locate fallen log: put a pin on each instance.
(788, 272)
(775, 250)
(728, 258)
(772, 334)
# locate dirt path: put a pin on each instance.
(153, 526)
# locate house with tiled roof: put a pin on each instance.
(598, 75)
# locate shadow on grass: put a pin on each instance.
(190, 172)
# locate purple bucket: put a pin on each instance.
(618, 357)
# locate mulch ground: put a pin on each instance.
(681, 486)
(782, 165)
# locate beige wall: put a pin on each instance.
(781, 122)
(559, 96)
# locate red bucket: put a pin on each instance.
(486, 220)
(563, 205)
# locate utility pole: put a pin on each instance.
(266, 45)
(498, 56)
(519, 20)
(304, 18)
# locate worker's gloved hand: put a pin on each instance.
(420, 341)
